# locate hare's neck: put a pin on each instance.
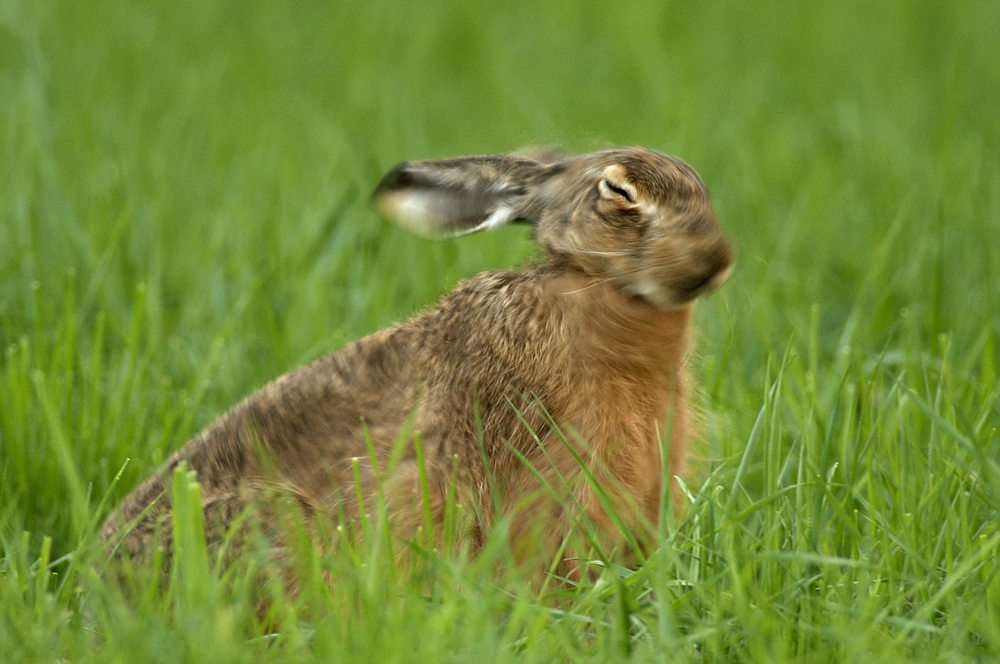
(619, 332)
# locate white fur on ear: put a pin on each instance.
(502, 215)
(413, 210)
(431, 214)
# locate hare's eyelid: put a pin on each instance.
(620, 190)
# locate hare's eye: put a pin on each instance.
(611, 190)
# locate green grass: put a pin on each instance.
(183, 216)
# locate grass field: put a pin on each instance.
(183, 216)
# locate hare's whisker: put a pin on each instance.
(600, 253)
(587, 287)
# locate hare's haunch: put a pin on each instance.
(511, 380)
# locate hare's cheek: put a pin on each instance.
(650, 286)
(647, 288)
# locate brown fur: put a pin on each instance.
(594, 340)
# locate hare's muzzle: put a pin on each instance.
(678, 269)
(709, 270)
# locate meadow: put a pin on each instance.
(184, 216)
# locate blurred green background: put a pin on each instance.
(184, 201)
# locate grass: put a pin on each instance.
(183, 216)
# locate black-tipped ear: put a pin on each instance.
(449, 197)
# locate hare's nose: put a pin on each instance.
(720, 261)
(712, 271)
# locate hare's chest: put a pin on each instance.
(627, 422)
(623, 415)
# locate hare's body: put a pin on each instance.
(584, 354)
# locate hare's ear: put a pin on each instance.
(449, 197)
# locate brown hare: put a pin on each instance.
(509, 382)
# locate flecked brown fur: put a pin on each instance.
(590, 347)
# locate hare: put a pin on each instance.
(511, 381)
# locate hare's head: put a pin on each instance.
(638, 218)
